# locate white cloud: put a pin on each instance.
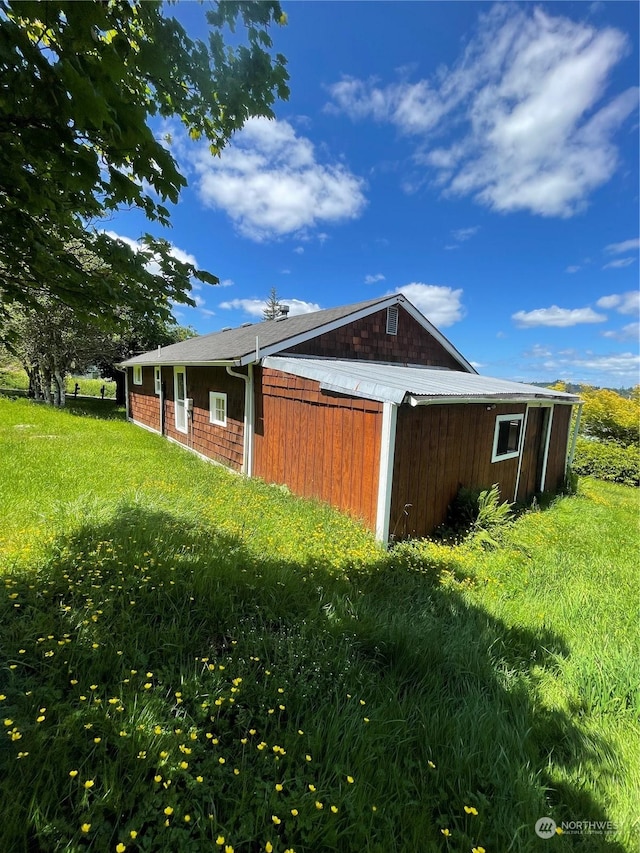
(227, 282)
(625, 364)
(630, 332)
(153, 267)
(558, 317)
(529, 93)
(299, 250)
(270, 183)
(619, 263)
(573, 269)
(256, 307)
(621, 248)
(463, 234)
(441, 305)
(372, 279)
(624, 303)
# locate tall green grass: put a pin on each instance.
(235, 668)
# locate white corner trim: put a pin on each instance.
(144, 426)
(385, 469)
(547, 442)
(523, 438)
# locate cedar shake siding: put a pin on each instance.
(222, 444)
(144, 404)
(438, 450)
(367, 339)
(322, 445)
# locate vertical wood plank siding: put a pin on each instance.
(321, 445)
(556, 463)
(438, 450)
(144, 405)
(367, 339)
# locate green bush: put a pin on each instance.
(607, 460)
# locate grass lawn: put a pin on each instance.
(192, 661)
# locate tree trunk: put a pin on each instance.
(60, 390)
(45, 378)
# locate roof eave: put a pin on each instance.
(492, 399)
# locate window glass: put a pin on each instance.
(507, 436)
(217, 408)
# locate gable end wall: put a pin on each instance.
(367, 339)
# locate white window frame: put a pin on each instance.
(157, 380)
(216, 397)
(512, 454)
(137, 374)
(392, 319)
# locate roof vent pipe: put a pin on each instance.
(284, 310)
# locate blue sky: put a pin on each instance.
(482, 159)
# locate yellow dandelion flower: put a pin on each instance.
(307, 757)
(120, 848)
(157, 778)
(431, 765)
(268, 847)
(275, 819)
(319, 805)
(228, 848)
(85, 827)
(220, 840)
(312, 788)
(89, 783)
(187, 818)
(445, 832)
(294, 812)
(478, 850)
(471, 810)
(184, 765)
(133, 834)
(279, 787)
(73, 773)
(334, 809)
(350, 780)
(168, 811)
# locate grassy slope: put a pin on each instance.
(502, 680)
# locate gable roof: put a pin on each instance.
(396, 383)
(249, 343)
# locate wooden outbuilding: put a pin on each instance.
(367, 407)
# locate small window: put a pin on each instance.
(157, 380)
(507, 437)
(137, 374)
(392, 320)
(217, 408)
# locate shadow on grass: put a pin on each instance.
(147, 644)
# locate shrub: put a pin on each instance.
(609, 417)
(607, 460)
(478, 513)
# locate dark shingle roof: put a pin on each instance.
(235, 344)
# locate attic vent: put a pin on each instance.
(392, 320)
(226, 329)
(244, 325)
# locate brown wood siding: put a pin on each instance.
(531, 454)
(144, 405)
(367, 339)
(224, 444)
(321, 445)
(439, 449)
(557, 457)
